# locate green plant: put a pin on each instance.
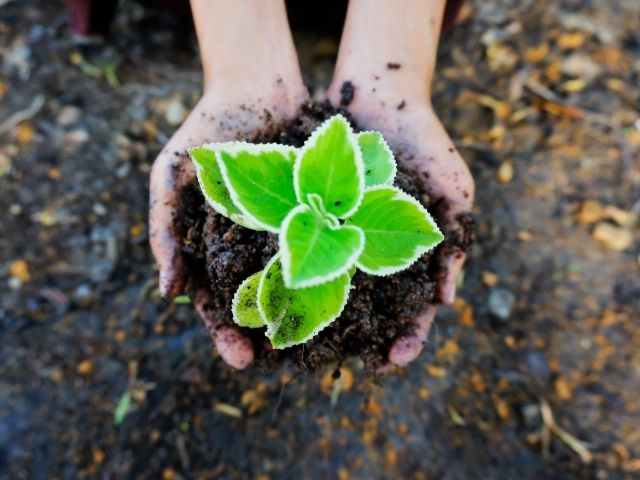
(333, 207)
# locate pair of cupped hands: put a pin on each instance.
(250, 68)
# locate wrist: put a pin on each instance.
(244, 43)
(390, 48)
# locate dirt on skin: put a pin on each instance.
(379, 310)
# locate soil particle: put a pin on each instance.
(380, 309)
(347, 91)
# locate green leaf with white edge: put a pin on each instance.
(213, 187)
(397, 230)
(260, 180)
(314, 250)
(379, 164)
(330, 165)
(244, 306)
(294, 316)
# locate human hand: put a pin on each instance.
(389, 56)
(416, 131)
(246, 90)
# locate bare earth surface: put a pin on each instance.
(534, 373)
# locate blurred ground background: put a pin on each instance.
(534, 373)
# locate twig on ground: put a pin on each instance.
(22, 115)
(572, 442)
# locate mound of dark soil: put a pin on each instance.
(380, 309)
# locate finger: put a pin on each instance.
(170, 173)
(406, 349)
(234, 348)
(452, 266)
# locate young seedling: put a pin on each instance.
(334, 209)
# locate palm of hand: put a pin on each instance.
(416, 131)
(220, 116)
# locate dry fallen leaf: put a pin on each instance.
(632, 465)
(465, 311)
(612, 237)
(621, 217)
(574, 86)
(501, 58)
(372, 407)
(536, 54)
(450, 348)
(505, 172)
(553, 71)
(255, 399)
(228, 410)
(525, 236)
(85, 367)
(571, 41)
(136, 230)
(609, 318)
(24, 133)
(490, 279)
(437, 372)
(343, 376)
(590, 212)
(169, 473)
(501, 406)
(20, 270)
(562, 389)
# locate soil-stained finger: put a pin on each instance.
(406, 349)
(170, 172)
(234, 348)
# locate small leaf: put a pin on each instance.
(213, 187)
(314, 250)
(260, 180)
(182, 300)
(330, 165)
(244, 306)
(379, 164)
(122, 409)
(397, 230)
(295, 316)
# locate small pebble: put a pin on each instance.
(76, 137)
(490, 279)
(83, 294)
(14, 283)
(176, 112)
(69, 115)
(99, 209)
(501, 303)
(536, 363)
(531, 415)
(123, 170)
